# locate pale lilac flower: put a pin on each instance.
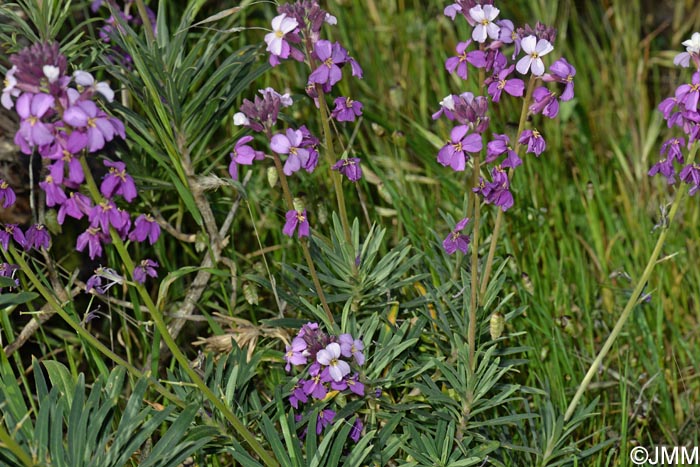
(105, 215)
(7, 194)
(686, 94)
(534, 51)
(147, 267)
(12, 231)
(281, 25)
(459, 63)
(285, 99)
(330, 356)
(54, 193)
(545, 102)
(496, 192)
(454, 152)
(691, 175)
(110, 277)
(355, 385)
(31, 108)
(243, 155)
(452, 10)
(447, 107)
(692, 51)
(456, 240)
(356, 431)
(500, 145)
(295, 353)
(507, 33)
(315, 388)
(63, 151)
(562, 72)
(483, 17)
(296, 221)
(291, 144)
(100, 128)
(350, 347)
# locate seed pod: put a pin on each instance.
(250, 292)
(496, 325)
(272, 176)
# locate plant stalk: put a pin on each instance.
(633, 300)
(474, 296)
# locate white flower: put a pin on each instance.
(9, 91)
(330, 19)
(534, 50)
(285, 99)
(692, 45)
(85, 79)
(281, 25)
(51, 72)
(448, 102)
(330, 356)
(239, 119)
(484, 16)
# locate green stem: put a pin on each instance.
(304, 246)
(9, 443)
(474, 299)
(147, 26)
(499, 217)
(159, 322)
(633, 300)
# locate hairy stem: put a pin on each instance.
(499, 217)
(633, 300)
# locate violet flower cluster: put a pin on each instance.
(61, 118)
(681, 111)
(296, 34)
(328, 361)
(489, 49)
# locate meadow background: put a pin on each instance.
(573, 247)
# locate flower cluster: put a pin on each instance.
(296, 35)
(327, 360)
(486, 50)
(61, 119)
(682, 111)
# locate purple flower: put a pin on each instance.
(100, 128)
(476, 57)
(110, 277)
(454, 152)
(8, 270)
(32, 131)
(686, 94)
(54, 193)
(534, 51)
(545, 102)
(349, 167)
(63, 151)
(356, 431)
(515, 87)
(290, 144)
(90, 87)
(147, 267)
(456, 240)
(118, 182)
(11, 231)
(105, 215)
(500, 145)
(330, 356)
(244, 155)
(507, 33)
(534, 140)
(692, 51)
(295, 353)
(672, 148)
(346, 109)
(93, 238)
(281, 25)
(7, 194)
(76, 206)
(483, 17)
(562, 72)
(355, 385)
(665, 168)
(10, 90)
(37, 237)
(350, 347)
(296, 221)
(691, 174)
(331, 56)
(496, 192)
(145, 226)
(325, 418)
(298, 395)
(447, 107)
(315, 387)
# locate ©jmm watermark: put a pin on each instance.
(666, 456)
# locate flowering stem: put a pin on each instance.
(335, 176)
(499, 217)
(474, 299)
(159, 322)
(304, 246)
(633, 300)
